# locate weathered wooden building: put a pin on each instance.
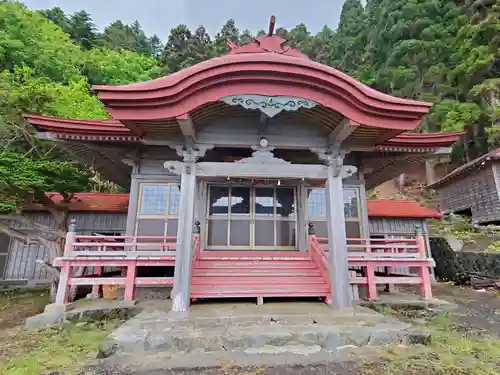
(472, 190)
(269, 155)
(106, 214)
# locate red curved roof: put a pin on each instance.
(118, 203)
(264, 67)
(409, 139)
(78, 126)
(112, 127)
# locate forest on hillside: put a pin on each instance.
(443, 51)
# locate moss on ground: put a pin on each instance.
(63, 348)
(454, 350)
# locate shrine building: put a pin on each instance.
(248, 173)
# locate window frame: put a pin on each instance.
(166, 215)
(356, 188)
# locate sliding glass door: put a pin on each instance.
(252, 218)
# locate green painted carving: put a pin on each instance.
(269, 105)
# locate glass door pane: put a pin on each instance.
(264, 209)
(240, 217)
(218, 216)
(285, 217)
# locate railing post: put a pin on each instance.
(425, 279)
(63, 286)
(70, 237)
(130, 281)
(311, 232)
(196, 240)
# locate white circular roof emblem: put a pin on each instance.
(263, 142)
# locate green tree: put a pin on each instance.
(57, 16)
(347, 50)
(103, 66)
(83, 30)
(156, 47)
(174, 57)
(25, 180)
(228, 32)
(27, 38)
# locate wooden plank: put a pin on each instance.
(154, 281)
(253, 265)
(242, 280)
(243, 294)
(237, 272)
(398, 280)
(293, 254)
(13, 282)
(97, 281)
(114, 262)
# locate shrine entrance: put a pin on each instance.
(252, 218)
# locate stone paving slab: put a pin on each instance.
(239, 329)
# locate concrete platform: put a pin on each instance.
(300, 328)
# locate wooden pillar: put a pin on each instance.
(423, 272)
(337, 242)
(183, 255)
(63, 286)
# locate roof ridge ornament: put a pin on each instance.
(266, 43)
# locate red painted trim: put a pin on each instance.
(252, 63)
(109, 127)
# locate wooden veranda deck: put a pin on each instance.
(230, 274)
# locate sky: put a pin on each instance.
(159, 16)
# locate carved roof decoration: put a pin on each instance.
(267, 43)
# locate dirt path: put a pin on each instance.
(478, 311)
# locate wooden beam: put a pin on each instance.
(342, 131)
(274, 171)
(187, 127)
(388, 135)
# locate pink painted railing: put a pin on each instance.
(125, 253)
(370, 254)
(196, 252)
(317, 254)
(114, 244)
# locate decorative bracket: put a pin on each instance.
(189, 157)
(269, 105)
(262, 155)
(334, 157)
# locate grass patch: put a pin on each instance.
(451, 352)
(62, 348)
(17, 305)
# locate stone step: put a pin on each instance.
(184, 335)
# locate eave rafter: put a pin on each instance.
(342, 131)
(187, 128)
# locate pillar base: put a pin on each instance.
(92, 296)
(55, 308)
